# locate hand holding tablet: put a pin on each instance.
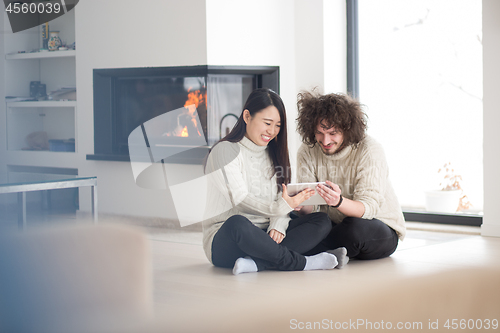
(316, 199)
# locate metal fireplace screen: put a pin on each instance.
(204, 106)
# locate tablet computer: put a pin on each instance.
(316, 199)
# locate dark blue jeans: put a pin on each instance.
(363, 239)
(238, 237)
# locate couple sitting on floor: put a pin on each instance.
(249, 226)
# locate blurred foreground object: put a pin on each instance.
(75, 279)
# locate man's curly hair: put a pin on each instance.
(335, 110)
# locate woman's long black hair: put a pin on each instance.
(258, 100)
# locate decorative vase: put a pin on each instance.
(54, 41)
(442, 201)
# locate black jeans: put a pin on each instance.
(363, 239)
(238, 237)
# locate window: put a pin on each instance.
(420, 78)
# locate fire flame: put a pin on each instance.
(194, 99)
(184, 132)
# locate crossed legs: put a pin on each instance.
(239, 238)
(363, 239)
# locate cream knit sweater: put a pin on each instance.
(241, 182)
(362, 174)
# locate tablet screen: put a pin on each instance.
(316, 199)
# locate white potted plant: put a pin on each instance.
(450, 198)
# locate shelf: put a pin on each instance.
(42, 104)
(30, 123)
(42, 158)
(15, 156)
(41, 55)
(23, 151)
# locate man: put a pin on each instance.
(365, 212)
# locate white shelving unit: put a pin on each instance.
(21, 62)
(40, 55)
(56, 69)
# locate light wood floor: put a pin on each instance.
(190, 295)
(187, 286)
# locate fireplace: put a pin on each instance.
(196, 104)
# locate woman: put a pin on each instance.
(247, 225)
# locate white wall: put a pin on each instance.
(309, 47)
(335, 46)
(121, 33)
(491, 117)
(320, 53)
(309, 62)
(321, 45)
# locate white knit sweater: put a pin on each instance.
(362, 174)
(241, 182)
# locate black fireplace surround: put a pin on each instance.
(126, 98)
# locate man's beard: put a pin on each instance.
(330, 152)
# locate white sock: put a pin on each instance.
(321, 260)
(244, 265)
(341, 254)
